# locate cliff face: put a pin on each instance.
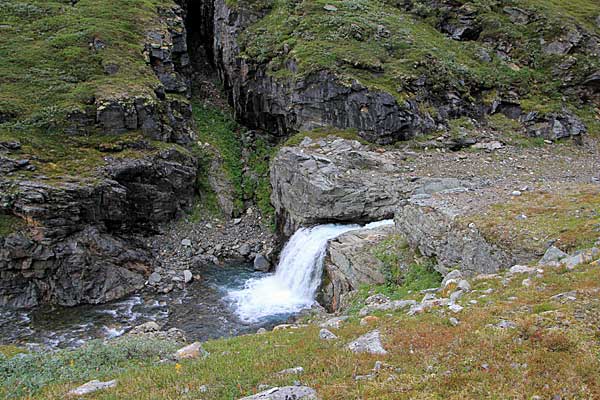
(97, 173)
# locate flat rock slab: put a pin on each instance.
(92, 386)
(368, 343)
(285, 393)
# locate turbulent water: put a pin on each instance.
(200, 311)
(294, 284)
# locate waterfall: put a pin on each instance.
(294, 284)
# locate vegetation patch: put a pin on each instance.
(570, 219)
(10, 224)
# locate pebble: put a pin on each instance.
(454, 321)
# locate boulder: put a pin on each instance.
(334, 322)
(194, 350)
(261, 263)
(552, 257)
(92, 386)
(285, 393)
(368, 343)
(326, 334)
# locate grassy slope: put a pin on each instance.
(48, 65)
(346, 42)
(555, 349)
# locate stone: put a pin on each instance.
(186, 242)
(505, 324)
(187, 276)
(245, 250)
(291, 371)
(453, 321)
(261, 263)
(330, 7)
(261, 331)
(455, 308)
(194, 350)
(326, 334)
(368, 343)
(452, 276)
(516, 193)
(521, 269)
(527, 282)
(92, 386)
(552, 257)
(285, 393)
(455, 296)
(377, 299)
(580, 258)
(151, 330)
(154, 278)
(464, 285)
(488, 146)
(334, 322)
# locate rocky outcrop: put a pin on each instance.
(436, 227)
(338, 180)
(285, 106)
(350, 262)
(79, 245)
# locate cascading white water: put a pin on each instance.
(294, 284)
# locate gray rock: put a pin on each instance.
(455, 296)
(436, 229)
(368, 343)
(92, 386)
(151, 330)
(285, 393)
(186, 242)
(582, 257)
(291, 371)
(505, 324)
(464, 285)
(245, 250)
(154, 278)
(455, 276)
(453, 321)
(455, 308)
(521, 269)
(552, 257)
(261, 263)
(194, 350)
(376, 299)
(187, 276)
(325, 334)
(349, 263)
(335, 322)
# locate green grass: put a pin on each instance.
(349, 43)
(428, 357)
(49, 68)
(321, 133)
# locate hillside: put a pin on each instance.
(163, 161)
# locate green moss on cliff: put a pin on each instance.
(54, 54)
(10, 224)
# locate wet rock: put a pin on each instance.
(194, 350)
(325, 334)
(368, 343)
(261, 263)
(92, 386)
(245, 250)
(285, 393)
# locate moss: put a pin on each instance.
(10, 224)
(320, 133)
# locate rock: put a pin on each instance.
(154, 278)
(335, 322)
(368, 343)
(325, 334)
(369, 320)
(552, 257)
(186, 242)
(261, 331)
(488, 146)
(329, 7)
(389, 306)
(437, 229)
(516, 193)
(285, 393)
(521, 269)
(582, 257)
(377, 299)
(553, 126)
(245, 250)
(261, 263)
(453, 276)
(92, 386)
(291, 371)
(455, 296)
(505, 324)
(464, 285)
(349, 263)
(527, 282)
(193, 350)
(187, 276)
(455, 308)
(453, 321)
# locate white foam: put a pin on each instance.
(297, 277)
